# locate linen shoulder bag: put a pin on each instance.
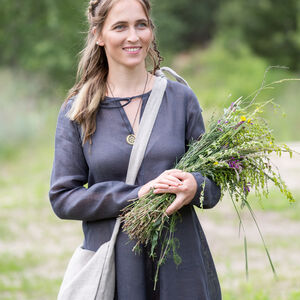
(91, 275)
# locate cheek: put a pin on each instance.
(147, 37)
(113, 40)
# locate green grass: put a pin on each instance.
(10, 263)
(277, 203)
(249, 292)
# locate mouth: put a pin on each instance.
(132, 49)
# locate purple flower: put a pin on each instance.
(235, 164)
(247, 188)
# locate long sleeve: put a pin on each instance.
(69, 198)
(195, 128)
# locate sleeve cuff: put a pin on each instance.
(200, 179)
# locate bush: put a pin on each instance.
(270, 27)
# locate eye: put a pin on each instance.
(120, 27)
(142, 25)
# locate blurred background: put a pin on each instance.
(222, 48)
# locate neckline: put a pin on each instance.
(107, 98)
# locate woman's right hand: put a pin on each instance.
(164, 180)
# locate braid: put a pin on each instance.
(159, 57)
(92, 6)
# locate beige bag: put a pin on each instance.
(91, 275)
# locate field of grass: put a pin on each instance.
(35, 245)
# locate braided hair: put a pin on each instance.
(91, 84)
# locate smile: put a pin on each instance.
(132, 49)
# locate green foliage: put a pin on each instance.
(42, 36)
(271, 28)
(184, 23)
(46, 36)
(218, 76)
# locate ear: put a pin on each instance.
(99, 40)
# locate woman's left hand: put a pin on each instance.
(184, 192)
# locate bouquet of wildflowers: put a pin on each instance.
(234, 153)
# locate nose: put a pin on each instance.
(132, 35)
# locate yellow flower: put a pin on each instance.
(249, 121)
(243, 118)
(216, 163)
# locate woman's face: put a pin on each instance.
(126, 34)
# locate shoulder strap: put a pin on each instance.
(147, 122)
(145, 129)
(171, 72)
(143, 135)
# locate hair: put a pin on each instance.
(91, 81)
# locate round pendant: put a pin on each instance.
(130, 139)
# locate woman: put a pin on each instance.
(94, 137)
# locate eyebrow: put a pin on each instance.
(125, 22)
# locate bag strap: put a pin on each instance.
(146, 125)
(147, 122)
(143, 135)
(171, 72)
(145, 129)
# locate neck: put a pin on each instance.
(128, 82)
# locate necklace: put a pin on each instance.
(130, 138)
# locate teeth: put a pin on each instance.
(132, 49)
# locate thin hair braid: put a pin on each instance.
(159, 57)
(92, 6)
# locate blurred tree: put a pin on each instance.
(46, 35)
(270, 27)
(182, 24)
(42, 36)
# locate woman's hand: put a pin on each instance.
(165, 180)
(173, 181)
(184, 192)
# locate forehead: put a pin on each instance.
(126, 10)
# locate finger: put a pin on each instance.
(170, 180)
(162, 191)
(182, 175)
(176, 205)
(161, 186)
(172, 170)
(168, 189)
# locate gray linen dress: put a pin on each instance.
(103, 165)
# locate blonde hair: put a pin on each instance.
(91, 82)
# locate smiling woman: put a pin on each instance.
(95, 134)
(126, 36)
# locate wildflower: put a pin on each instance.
(249, 121)
(243, 118)
(235, 164)
(216, 163)
(247, 187)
